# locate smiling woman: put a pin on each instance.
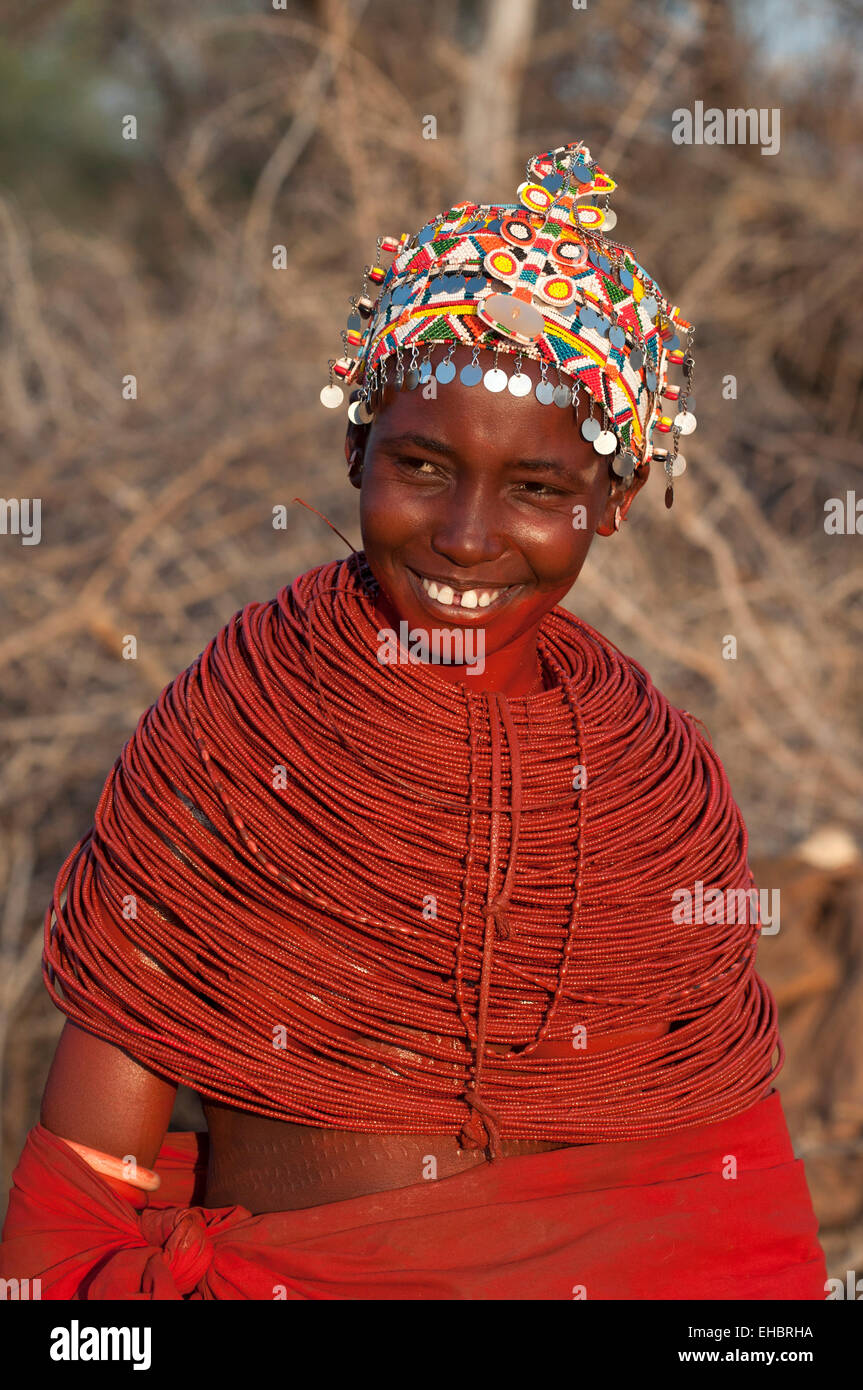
(409, 929)
(485, 517)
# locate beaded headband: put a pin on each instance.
(537, 278)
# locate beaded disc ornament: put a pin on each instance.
(538, 278)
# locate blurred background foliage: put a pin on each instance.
(301, 124)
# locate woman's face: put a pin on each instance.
(477, 508)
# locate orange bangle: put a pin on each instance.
(110, 1167)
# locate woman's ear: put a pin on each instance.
(620, 499)
(356, 439)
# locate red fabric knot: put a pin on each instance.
(186, 1246)
(482, 1129)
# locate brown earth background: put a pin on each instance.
(303, 126)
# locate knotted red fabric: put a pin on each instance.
(344, 893)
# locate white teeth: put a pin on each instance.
(453, 598)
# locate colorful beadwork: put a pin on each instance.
(536, 277)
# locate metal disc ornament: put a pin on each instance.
(617, 337)
(444, 371)
(495, 379)
(610, 220)
(544, 392)
(471, 375)
(591, 429)
(678, 466)
(563, 396)
(605, 442)
(412, 378)
(512, 317)
(332, 396)
(636, 359)
(686, 422)
(624, 464)
(425, 371)
(354, 413)
(520, 384)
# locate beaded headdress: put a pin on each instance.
(538, 278)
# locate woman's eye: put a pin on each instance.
(543, 489)
(416, 464)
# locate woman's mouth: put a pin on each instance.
(465, 604)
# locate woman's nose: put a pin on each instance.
(469, 533)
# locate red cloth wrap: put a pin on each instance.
(649, 1219)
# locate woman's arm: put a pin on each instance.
(98, 1095)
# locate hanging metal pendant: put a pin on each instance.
(636, 359)
(544, 392)
(624, 464)
(495, 379)
(354, 413)
(520, 384)
(444, 371)
(610, 220)
(605, 442)
(471, 375)
(669, 496)
(617, 337)
(677, 466)
(364, 415)
(562, 396)
(332, 396)
(591, 429)
(686, 422)
(412, 378)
